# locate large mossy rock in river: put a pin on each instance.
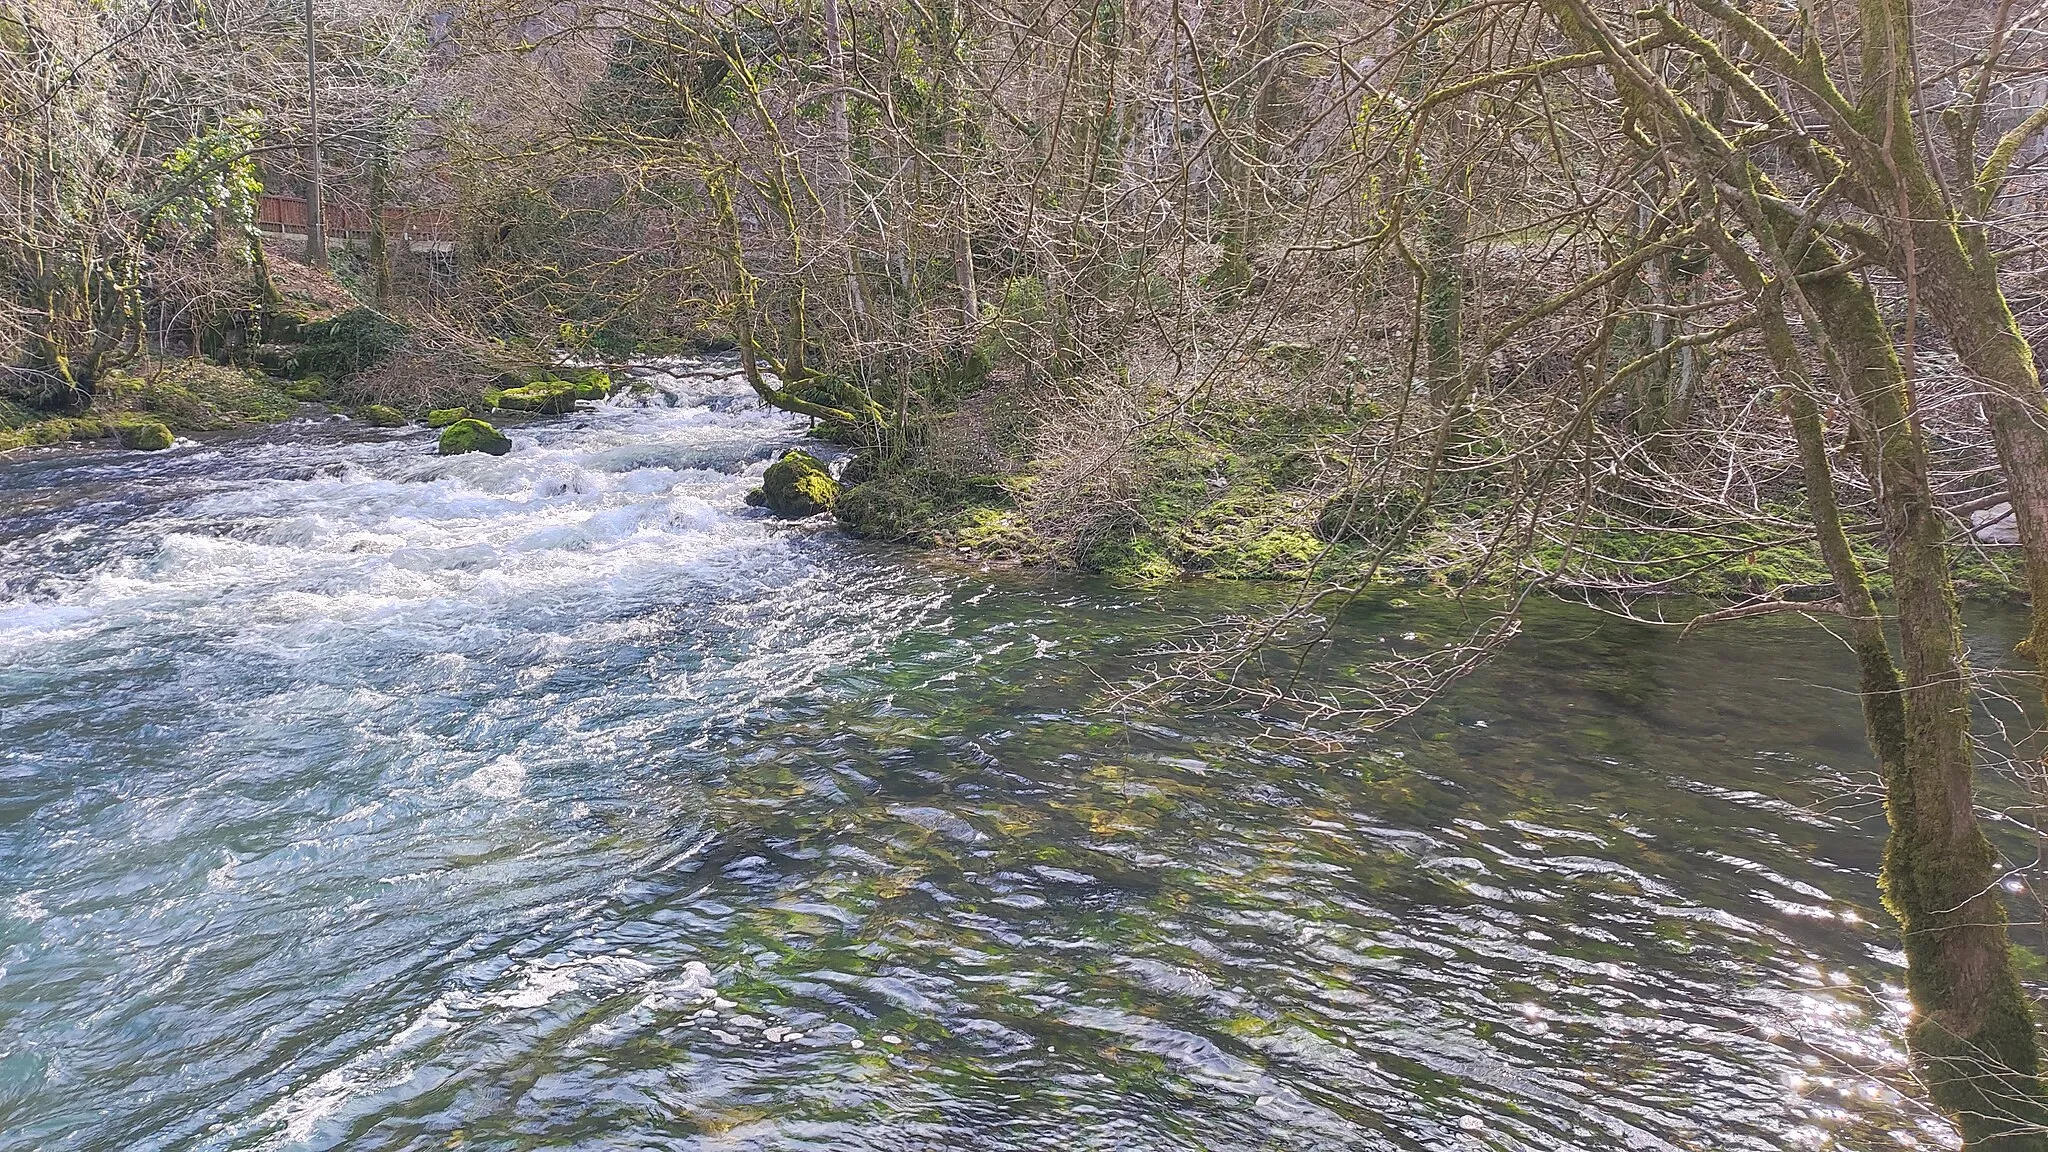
(145, 435)
(473, 436)
(885, 509)
(798, 485)
(546, 397)
(549, 393)
(443, 417)
(591, 383)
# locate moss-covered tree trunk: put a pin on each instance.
(1446, 221)
(1972, 1035)
(1884, 716)
(1965, 297)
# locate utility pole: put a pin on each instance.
(316, 223)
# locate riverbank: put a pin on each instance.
(1275, 480)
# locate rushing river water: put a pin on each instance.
(351, 797)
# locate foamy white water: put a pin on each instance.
(296, 707)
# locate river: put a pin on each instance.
(351, 797)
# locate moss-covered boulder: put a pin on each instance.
(798, 485)
(591, 383)
(380, 416)
(145, 435)
(308, 389)
(55, 430)
(443, 417)
(473, 436)
(544, 397)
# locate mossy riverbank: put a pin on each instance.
(1248, 490)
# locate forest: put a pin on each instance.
(1719, 322)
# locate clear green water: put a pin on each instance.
(353, 798)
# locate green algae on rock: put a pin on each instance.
(548, 393)
(145, 435)
(443, 417)
(381, 416)
(544, 397)
(473, 436)
(798, 485)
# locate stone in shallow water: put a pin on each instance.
(798, 485)
(145, 435)
(473, 436)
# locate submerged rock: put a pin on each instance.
(473, 436)
(798, 485)
(380, 416)
(443, 417)
(145, 435)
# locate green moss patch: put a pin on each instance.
(798, 485)
(199, 396)
(466, 436)
(145, 435)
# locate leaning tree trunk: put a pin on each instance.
(1972, 1035)
(1965, 298)
(1878, 687)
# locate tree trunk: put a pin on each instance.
(380, 252)
(1972, 1034)
(1884, 717)
(1965, 298)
